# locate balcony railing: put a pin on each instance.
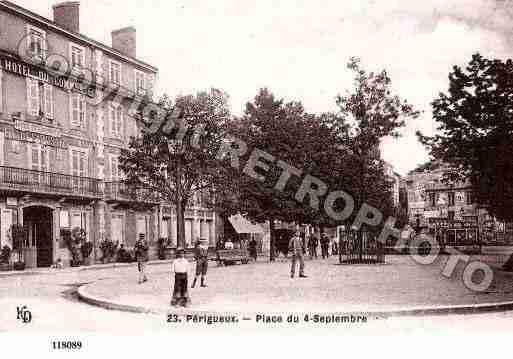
(20, 179)
(120, 191)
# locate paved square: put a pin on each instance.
(400, 284)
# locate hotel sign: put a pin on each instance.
(64, 82)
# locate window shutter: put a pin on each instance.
(75, 110)
(112, 120)
(32, 97)
(44, 159)
(35, 157)
(113, 169)
(119, 121)
(83, 165)
(82, 111)
(48, 100)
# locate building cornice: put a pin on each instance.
(13, 8)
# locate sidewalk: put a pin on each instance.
(47, 271)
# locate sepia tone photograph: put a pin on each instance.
(178, 166)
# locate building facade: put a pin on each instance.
(395, 178)
(440, 206)
(67, 106)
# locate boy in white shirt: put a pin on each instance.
(180, 268)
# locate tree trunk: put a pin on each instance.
(272, 241)
(180, 224)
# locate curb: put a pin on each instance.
(415, 311)
(111, 305)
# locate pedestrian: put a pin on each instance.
(313, 246)
(253, 249)
(295, 246)
(334, 247)
(303, 242)
(180, 268)
(325, 243)
(201, 256)
(141, 255)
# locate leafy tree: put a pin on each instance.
(291, 136)
(368, 114)
(475, 133)
(177, 161)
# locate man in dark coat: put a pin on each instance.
(325, 243)
(141, 255)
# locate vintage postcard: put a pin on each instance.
(343, 167)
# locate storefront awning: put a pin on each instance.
(242, 225)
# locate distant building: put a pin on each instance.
(396, 182)
(434, 203)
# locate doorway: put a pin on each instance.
(39, 221)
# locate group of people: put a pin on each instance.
(313, 243)
(180, 268)
(297, 248)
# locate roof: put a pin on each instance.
(242, 225)
(53, 25)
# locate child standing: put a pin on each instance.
(180, 268)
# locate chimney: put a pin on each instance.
(67, 15)
(124, 40)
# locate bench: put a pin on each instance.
(231, 256)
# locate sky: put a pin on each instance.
(299, 49)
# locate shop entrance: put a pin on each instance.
(38, 221)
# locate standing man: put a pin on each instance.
(325, 243)
(253, 249)
(315, 243)
(141, 255)
(201, 256)
(296, 247)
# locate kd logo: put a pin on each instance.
(24, 314)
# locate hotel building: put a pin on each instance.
(61, 135)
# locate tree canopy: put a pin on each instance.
(475, 132)
(178, 160)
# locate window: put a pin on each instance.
(451, 198)
(39, 158)
(116, 228)
(6, 220)
(64, 219)
(36, 42)
(140, 83)
(78, 110)
(116, 120)
(39, 99)
(77, 55)
(114, 169)
(164, 229)
(115, 72)
(469, 198)
(450, 215)
(432, 199)
(78, 163)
